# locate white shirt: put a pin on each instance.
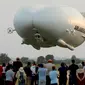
(4, 69)
(33, 68)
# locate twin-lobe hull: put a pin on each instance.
(50, 26)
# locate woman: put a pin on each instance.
(21, 77)
(80, 74)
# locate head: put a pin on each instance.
(73, 61)
(21, 69)
(3, 64)
(10, 66)
(28, 64)
(41, 65)
(83, 63)
(34, 63)
(17, 59)
(80, 66)
(62, 64)
(53, 68)
(49, 61)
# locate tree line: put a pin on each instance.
(4, 58)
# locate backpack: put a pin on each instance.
(21, 78)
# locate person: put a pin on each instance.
(37, 75)
(9, 76)
(21, 77)
(42, 75)
(53, 76)
(28, 73)
(33, 78)
(1, 70)
(3, 73)
(80, 74)
(49, 68)
(63, 74)
(72, 77)
(17, 64)
(83, 64)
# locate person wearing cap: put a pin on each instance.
(20, 73)
(49, 66)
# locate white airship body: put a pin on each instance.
(50, 26)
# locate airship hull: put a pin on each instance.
(49, 26)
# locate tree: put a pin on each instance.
(4, 58)
(40, 60)
(24, 60)
(49, 57)
(73, 57)
(76, 59)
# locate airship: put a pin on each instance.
(50, 26)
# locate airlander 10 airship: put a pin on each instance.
(50, 26)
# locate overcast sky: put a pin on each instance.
(11, 44)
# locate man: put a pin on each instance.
(33, 69)
(53, 76)
(42, 75)
(72, 79)
(16, 65)
(1, 70)
(28, 73)
(49, 66)
(63, 74)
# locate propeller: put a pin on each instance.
(10, 30)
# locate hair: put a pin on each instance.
(10, 66)
(53, 68)
(28, 63)
(41, 65)
(17, 59)
(62, 64)
(73, 61)
(3, 64)
(83, 63)
(34, 63)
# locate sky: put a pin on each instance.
(11, 43)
